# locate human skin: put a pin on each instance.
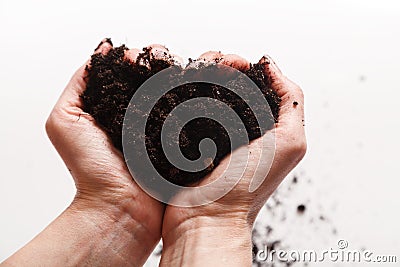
(112, 222)
(219, 234)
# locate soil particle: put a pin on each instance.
(301, 208)
(112, 80)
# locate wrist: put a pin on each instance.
(209, 241)
(136, 210)
(119, 237)
(83, 235)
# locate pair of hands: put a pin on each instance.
(117, 209)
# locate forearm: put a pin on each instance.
(206, 243)
(87, 237)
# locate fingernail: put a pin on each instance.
(105, 40)
(160, 52)
(266, 59)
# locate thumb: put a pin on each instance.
(291, 112)
(70, 98)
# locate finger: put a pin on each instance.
(235, 61)
(77, 85)
(178, 60)
(289, 133)
(211, 56)
(104, 46)
(266, 59)
(292, 105)
(132, 54)
(159, 52)
(230, 60)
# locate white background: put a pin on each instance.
(344, 54)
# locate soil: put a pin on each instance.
(301, 208)
(112, 80)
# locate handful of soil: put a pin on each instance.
(112, 81)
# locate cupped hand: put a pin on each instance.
(229, 220)
(101, 176)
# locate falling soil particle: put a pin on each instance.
(301, 209)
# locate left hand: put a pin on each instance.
(221, 231)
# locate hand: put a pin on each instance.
(101, 176)
(220, 233)
(111, 221)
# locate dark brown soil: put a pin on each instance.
(113, 80)
(301, 208)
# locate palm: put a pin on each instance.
(98, 168)
(288, 136)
